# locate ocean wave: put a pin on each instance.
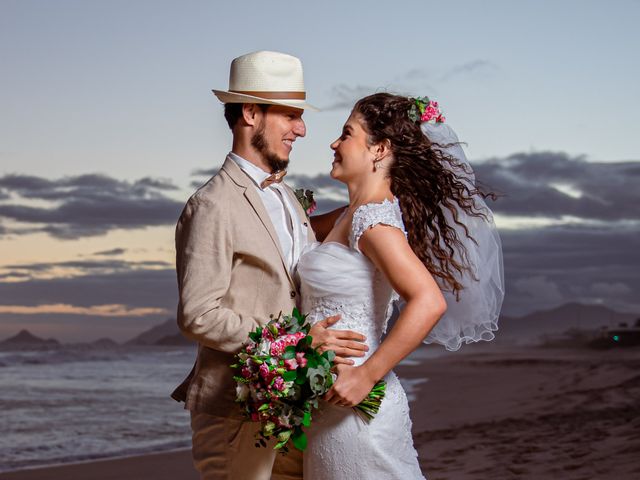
(60, 355)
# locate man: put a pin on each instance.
(237, 245)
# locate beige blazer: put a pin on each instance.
(231, 277)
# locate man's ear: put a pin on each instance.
(251, 114)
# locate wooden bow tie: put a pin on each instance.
(273, 178)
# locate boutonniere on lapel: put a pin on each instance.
(305, 197)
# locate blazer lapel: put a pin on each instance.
(242, 180)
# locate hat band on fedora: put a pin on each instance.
(273, 95)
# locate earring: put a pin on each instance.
(376, 164)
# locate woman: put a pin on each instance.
(397, 180)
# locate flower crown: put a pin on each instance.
(424, 110)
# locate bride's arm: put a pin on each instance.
(389, 250)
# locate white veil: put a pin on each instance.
(474, 315)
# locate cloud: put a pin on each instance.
(592, 257)
(555, 184)
(205, 172)
(133, 289)
(114, 251)
(469, 68)
(541, 184)
(113, 310)
(545, 267)
(85, 205)
(344, 96)
(73, 268)
(329, 193)
(416, 81)
(539, 288)
(610, 289)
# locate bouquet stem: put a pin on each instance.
(370, 406)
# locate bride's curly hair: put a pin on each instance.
(423, 179)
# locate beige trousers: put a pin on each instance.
(224, 449)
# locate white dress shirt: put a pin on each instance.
(291, 230)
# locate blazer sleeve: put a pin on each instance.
(204, 256)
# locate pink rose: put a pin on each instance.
(277, 348)
(266, 334)
(312, 208)
(246, 372)
(300, 358)
(278, 384)
(265, 373)
(291, 364)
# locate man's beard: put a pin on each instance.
(260, 144)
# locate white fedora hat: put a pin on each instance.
(266, 77)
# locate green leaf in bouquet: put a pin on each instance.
(263, 407)
(284, 436)
(256, 334)
(306, 419)
(324, 362)
(304, 343)
(289, 375)
(289, 352)
(301, 375)
(312, 361)
(330, 355)
(299, 439)
(279, 445)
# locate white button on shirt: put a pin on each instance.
(282, 213)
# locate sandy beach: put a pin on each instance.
(160, 466)
(527, 413)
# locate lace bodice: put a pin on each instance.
(336, 278)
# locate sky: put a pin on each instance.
(108, 124)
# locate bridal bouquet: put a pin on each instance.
(280, 379)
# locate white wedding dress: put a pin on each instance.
(336, 278)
